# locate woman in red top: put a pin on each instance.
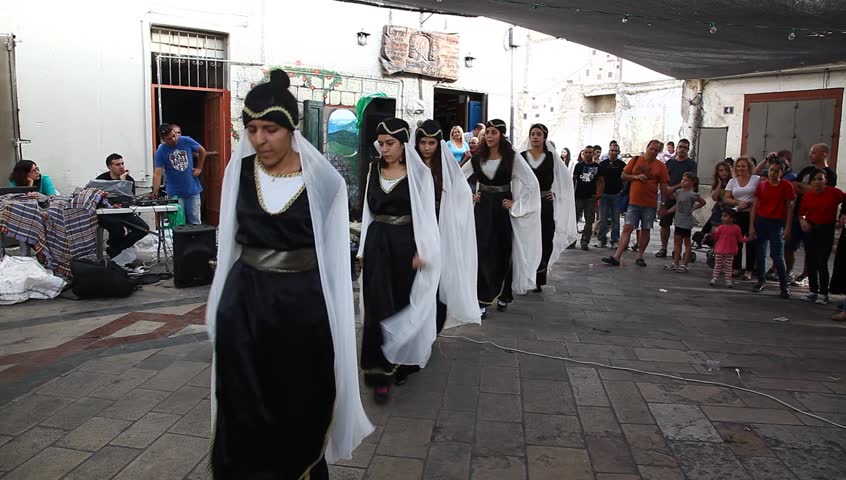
(770, 221)
(817, 217)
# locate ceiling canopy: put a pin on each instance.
(685, 39)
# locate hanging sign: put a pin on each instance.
(407, 50)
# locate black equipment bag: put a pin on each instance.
(98, 279)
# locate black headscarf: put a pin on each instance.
(272, 102)
(395, 127)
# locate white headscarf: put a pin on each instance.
(409, 334)
(327, 198)
(458, 245)
(563, 205)
(526, 249)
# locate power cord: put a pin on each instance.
(656, 374)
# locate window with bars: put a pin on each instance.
(188, 58)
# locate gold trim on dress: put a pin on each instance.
(276, 108)
(395, 180)
(276, 175)
(256, 168)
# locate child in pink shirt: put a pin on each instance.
(727, 238)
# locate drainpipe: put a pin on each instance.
(696, 113)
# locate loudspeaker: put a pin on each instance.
(379, 109)
(194, 246)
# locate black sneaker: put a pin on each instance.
(501, 306)
(661, 253)
(785, 293)
(538, 289)
(585, 247)
(571, 246)
(610, 260)
(758, 286)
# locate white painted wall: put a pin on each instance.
(730, 92)
(83, 67)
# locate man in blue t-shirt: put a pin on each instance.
(175, 157)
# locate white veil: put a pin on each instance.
(563, 206)
(409, 334)
(458, 245)
(327, 197)
(526, 248)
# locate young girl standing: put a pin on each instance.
(726, 237)
(817, 217)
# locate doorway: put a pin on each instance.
(203, 114)
(458, 107)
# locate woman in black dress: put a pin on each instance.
(507, 196)
(454, 209)
(280, 312)
(558, 214)
(400, 257)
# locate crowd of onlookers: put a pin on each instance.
(759, 209)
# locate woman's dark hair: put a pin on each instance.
(20, 172)
(435, 167)
(505, 149)
(569, 155)
(717, 178)
(731, 213)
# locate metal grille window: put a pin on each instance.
(186, 58)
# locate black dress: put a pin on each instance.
(838, 273)
(545, 174)
(493, 235)
(387, 275)
(275, 377)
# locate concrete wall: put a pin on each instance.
(84, 75)
(721, 93)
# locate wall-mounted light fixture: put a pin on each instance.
(468, 60)
(362, 37)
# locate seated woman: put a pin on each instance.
(26, 174)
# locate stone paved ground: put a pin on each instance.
(138, 408)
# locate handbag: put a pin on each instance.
(100, 279)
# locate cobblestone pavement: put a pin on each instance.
(124, 394)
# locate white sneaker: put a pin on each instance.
(713, 282)
(809, 297)
(822, 300)
(729, 284)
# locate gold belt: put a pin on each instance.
(393, 219)
(280, 261)
(494, 188)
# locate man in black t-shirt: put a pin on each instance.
(610, 184)
(127, 228)
(585, 179)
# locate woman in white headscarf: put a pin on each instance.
(558, 204)
(285, 397)
(507, 214)
(454, 208)
(400, 255)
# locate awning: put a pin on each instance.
(674, 37)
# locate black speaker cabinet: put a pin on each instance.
(193, 247)
(379, 109)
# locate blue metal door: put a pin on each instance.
(474, 114)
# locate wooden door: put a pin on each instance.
(218, 149)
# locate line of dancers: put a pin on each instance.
(434, 251)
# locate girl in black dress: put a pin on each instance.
(558, 214)
(400, 257)
(454, 208)
(508, 233)
(280, 312)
